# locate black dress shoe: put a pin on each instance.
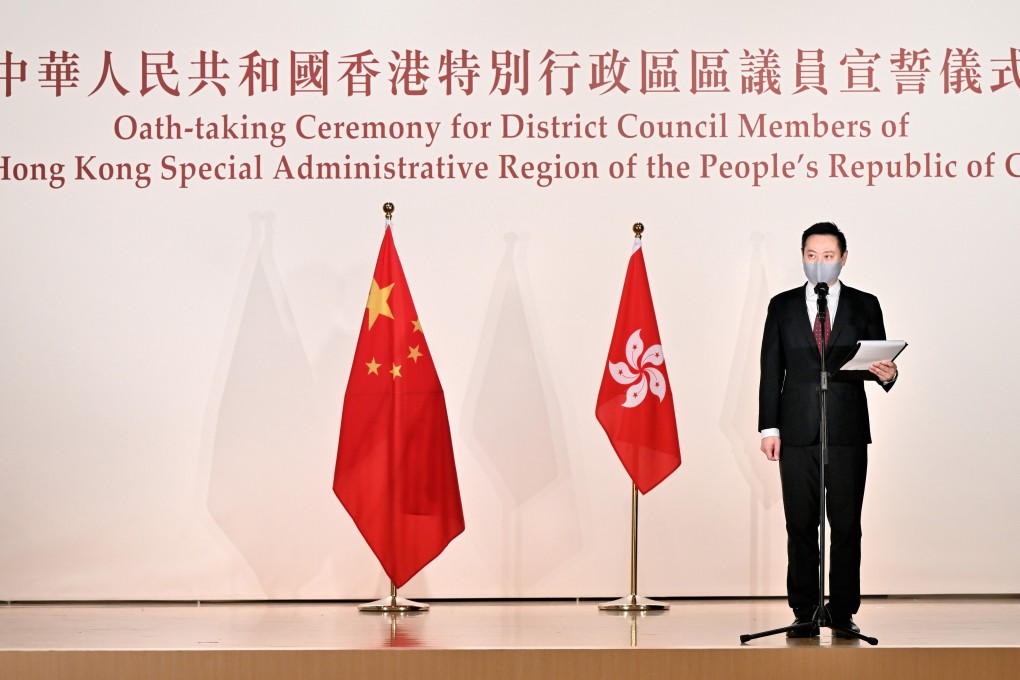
(847, 624)
(806, 631)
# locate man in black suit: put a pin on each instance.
(789, 418)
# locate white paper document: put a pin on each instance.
(870, 351)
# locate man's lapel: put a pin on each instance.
(803, 319)
(844, 311)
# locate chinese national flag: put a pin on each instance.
(395, 472)
(635, 405)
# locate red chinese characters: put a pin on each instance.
(700, 71)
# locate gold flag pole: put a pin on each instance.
(633, 602)
(392, 603)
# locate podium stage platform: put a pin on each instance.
(931, 638)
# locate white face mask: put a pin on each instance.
(819, 271)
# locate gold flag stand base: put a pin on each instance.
(633, 603)
(393, 604)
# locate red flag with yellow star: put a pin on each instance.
(395, 472)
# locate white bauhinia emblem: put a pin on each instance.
(639, 373)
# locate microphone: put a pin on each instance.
(821, 290)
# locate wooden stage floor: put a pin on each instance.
(929, 638)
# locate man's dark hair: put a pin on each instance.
(824, 229)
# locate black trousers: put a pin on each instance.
(845, 475)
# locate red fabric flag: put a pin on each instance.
(395, 472)
(635, 405)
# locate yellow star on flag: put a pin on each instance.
(373, 368)
(395, 372)
(377, 302)
(417, 326)
(415, 353)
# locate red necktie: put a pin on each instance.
(818, 331)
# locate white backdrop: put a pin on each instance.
(172, 361)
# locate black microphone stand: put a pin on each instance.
(820, 618)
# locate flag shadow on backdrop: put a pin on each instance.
(512, 418)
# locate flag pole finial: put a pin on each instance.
(387, 209)
(638, 229)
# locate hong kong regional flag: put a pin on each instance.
(395, 472)
(635, 405)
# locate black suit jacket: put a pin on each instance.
(790, 368)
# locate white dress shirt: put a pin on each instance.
(832, 301)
